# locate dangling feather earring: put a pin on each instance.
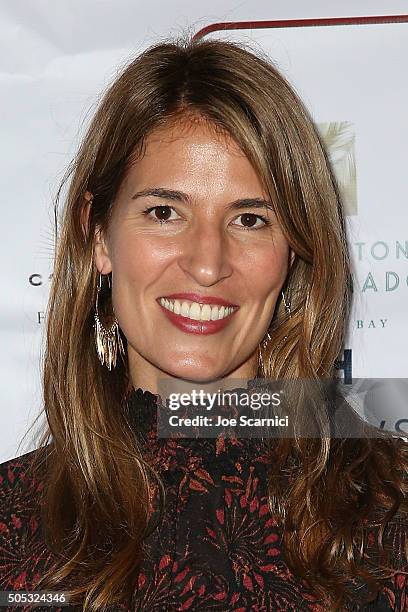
(107, 340)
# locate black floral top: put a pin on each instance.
(217, 547)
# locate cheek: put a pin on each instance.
(139, 260)
(137, 265)
(265, 268)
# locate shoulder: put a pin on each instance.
(20, 487)
(21, 483)
(17, 474)
(20, 511)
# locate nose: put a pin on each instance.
(206, 255)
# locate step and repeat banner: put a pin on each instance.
(354, 80)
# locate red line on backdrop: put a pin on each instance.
(296, 23)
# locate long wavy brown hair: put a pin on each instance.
(326, 491)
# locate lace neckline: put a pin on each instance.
(142, 405)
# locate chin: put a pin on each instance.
(195, 372)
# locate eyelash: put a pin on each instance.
(148, 210)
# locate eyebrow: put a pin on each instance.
(180, 196)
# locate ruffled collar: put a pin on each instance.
(173, 456)
(142, 405)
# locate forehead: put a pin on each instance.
(192, 149)
(191, 132)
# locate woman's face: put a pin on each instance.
(188, 220)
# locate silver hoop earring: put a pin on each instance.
(287, 305)
(107, 341)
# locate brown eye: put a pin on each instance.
(248, 220)
(162, 213)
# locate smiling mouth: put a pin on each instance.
(196, 311)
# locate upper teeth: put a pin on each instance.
(194, 310)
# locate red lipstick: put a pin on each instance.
(193, 326)
(201, 299)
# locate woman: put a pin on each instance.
(202, 240)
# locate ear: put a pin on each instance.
(101, 252)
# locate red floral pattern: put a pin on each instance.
(218, 548)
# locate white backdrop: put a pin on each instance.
(57, 58)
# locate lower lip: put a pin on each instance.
(191, 326)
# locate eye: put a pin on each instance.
(161, 214)
(250, 219)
